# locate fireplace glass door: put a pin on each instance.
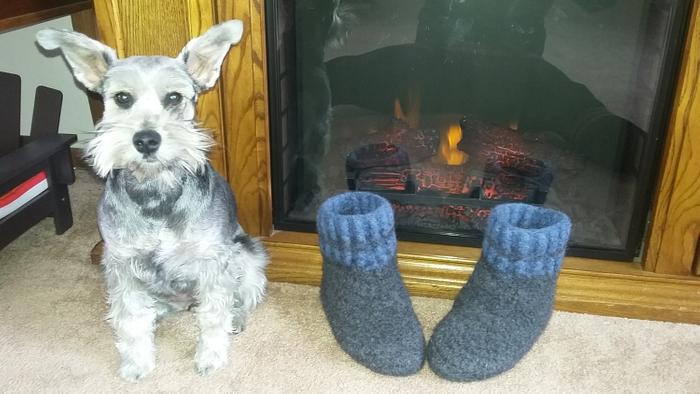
(449, 107)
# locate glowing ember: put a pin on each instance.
(439, 217)
(441, 178)
(419, 144)
(377, 167)
(374, 179)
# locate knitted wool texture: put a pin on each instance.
(525, 240)
(357, 230)
(363, 296)
(507, 302)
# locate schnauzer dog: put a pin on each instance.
(168, 220)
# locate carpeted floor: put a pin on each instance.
(54, 338)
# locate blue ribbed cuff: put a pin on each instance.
(356, 229)
(526, 240)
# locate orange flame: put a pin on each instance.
(449, 154)
(412, 114)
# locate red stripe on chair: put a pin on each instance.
(31, 184)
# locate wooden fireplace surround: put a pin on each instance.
(665, 285)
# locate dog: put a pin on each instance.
(172, 241)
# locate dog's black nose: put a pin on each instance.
(146, 141)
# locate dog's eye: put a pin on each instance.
(123, 99)
(172, 98)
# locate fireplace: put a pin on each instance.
(450, 107)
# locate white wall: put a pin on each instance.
(20, 55)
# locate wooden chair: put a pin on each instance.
(23, 157)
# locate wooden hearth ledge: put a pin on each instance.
(585, 285)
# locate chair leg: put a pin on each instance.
(62, 167)
(62, 175)
(63, 215)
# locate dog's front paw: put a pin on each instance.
(209, 360)
(134, 372)
(238, 327)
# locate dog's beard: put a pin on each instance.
(182, 146)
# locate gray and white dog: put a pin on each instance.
(168, 220)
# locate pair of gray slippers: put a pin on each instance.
(495, 319)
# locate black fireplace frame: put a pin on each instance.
(281, 70)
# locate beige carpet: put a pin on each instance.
(53, 337)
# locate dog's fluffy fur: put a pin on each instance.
(168, 220)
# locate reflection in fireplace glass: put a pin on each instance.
(449, 107)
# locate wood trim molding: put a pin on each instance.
(201, 15)
(585, 286)
(245, 114)
(674, 239)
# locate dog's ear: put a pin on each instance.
(88, 58)
(204, 55)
